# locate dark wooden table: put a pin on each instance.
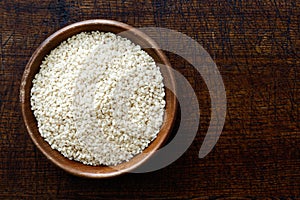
(256, 46)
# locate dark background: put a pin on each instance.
(256, 46)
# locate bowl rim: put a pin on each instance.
(25, 99)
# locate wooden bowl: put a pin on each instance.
(74, 167)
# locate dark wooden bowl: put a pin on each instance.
(74, 167)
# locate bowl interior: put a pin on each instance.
(33, 66)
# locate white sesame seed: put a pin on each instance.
(98, 98)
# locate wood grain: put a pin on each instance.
(256, 46)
